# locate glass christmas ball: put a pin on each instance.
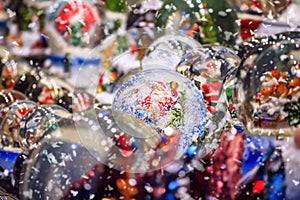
(257, 44)
(159, 103)
(75, 31)
(73, 23)
(166, 51)
(10, 126)
(266, 93)
(37, 122)
(7, 97)
(26, 28)
(57, 163)
(207, 67)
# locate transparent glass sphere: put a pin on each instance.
(207, 67)
(156, 104)
(266, 93)
(37, 122)
(10, 126)
(259, 43)
(73, 23)
(75, 30)
(56, 163)
(166, 51)
(7, 97)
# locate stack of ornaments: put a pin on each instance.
(126, 100)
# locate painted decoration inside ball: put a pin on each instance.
(267, 91)
(158, 103)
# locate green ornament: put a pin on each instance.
(76, 34)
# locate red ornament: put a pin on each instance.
(78, 10)
(122, 141)
(259, 186)
(23, 110)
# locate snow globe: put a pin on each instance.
(74, 29)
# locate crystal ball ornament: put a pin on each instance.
(73, 23)
(57, 163)
(266, 92)
(166, 51)
(10, 126)
(7, 97)
(75, 31)
(258, 43)
(159, 103)
(207, 67)
(38, 122)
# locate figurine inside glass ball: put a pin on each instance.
(266, 94)
(74, 23)
(10, 126)
(206, 67)
(159, 103)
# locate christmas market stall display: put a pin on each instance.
(149, 99)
